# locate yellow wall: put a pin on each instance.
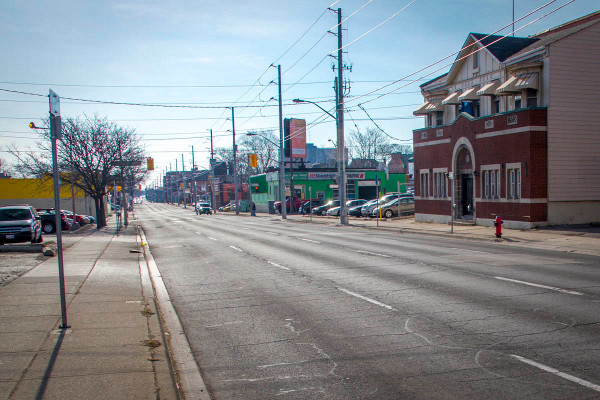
(33, 189)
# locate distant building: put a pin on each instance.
(515, 122)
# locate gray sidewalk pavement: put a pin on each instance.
(114, 348)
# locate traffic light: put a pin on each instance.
(150, 164)
(253, 161)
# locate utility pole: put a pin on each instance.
(281, 164)
(235, 173)
(183, 180)
(195, 193)
(340, 117)
(177, 182)
(212, 172)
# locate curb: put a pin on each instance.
(187, 377)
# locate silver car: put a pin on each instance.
(404, 205)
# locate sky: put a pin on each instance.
(211, 55)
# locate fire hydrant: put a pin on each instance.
(498, 224)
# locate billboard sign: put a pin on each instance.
(295, 138)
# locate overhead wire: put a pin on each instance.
(451, 55)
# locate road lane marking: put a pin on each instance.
(470, 251)
(372, 254)
(273, 233)
(278, 266)
(199, 233)
(212, 238)
(372, 301)
(546, 368)
(309, 240)
(541, 286)
(237, 248)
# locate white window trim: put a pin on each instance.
(428, 183)
(443, 176)
(485, 170)
(517, 193)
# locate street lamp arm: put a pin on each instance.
(299, 101)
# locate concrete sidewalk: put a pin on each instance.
(114, 348)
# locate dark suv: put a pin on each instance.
(19, 224)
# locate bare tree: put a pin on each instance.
(372, 144)
(92, 154)
(264, 145)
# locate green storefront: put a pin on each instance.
(321, 184)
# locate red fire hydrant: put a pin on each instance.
(498, 224)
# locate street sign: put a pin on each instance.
(450, 175)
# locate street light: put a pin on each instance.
(281, 173)
(340, 161)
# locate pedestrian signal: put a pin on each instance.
(150, 164)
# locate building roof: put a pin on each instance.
(433, 80)
(553, 35)
(503, 47)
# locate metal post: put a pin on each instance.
(212, 172)
(183, 180)
(398, 198)
(56, 133)
(235, 173)
(310, 204)
(451, 178)
(378, 196)
(281, 164)
(340, 127)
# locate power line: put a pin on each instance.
(457, 52)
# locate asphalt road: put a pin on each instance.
(287, 310)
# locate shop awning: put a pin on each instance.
(508, 87)
(469, 95)
(452, 99)
(488, 89)
(429, 107)
(527, 81)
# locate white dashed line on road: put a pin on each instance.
(372, 254)
(571, 378)
(237, 248)
(541, 286)
(212, 238)
(372, 301)
(309, 240)
(278, 266)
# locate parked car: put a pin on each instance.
(335, 211)
(322, 210)
(20, 224)
(297, 202)
(81, 219)
(47, 218)
(203, 208)
(310, 204)
(390, 209)
(228, 207)
(367, 209)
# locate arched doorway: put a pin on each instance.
(464, 187)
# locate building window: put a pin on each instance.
(517, 102)
(490, 183)
(476, 109)
(424, 184)
(486, 184)
(424, 135)
(475, 60)
(514, 183)
(495, 104)
(440, 185)
(531, 98)
(439, 118)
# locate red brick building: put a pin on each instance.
(518, 138)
